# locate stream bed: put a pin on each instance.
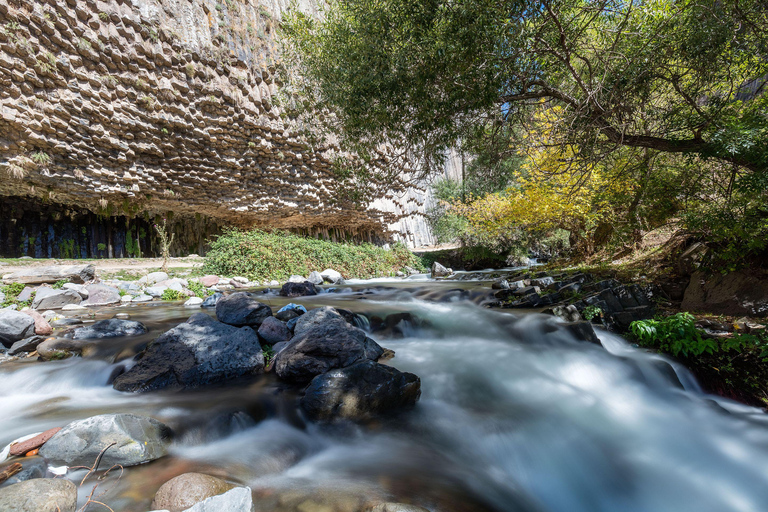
(515, 415)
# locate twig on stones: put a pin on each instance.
(11, 470)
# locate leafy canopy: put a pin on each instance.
(677, 76)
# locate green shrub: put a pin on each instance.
(59, 284)
(676, 334)
(260, 255)
(591, 312)
(11, 292)
(169, 294)
(197, 288)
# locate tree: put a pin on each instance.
(673, 76)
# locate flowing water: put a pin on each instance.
(515, 415)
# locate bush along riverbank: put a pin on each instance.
(277, 255)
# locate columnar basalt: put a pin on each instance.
(128, 107)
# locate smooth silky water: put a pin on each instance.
(515, 415)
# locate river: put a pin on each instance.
(515, 415)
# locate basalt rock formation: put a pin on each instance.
(138, 108)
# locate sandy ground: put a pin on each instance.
(106, 266)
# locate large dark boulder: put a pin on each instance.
(137, 439)
(15, 326)
(360, 391)
(298, 289)
(199, 352)
(323, 347)
(241, 309)
(273, 331)
(740, 293)
(315, 317)
(111, 328)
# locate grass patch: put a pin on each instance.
(12, 292)
(260, 255)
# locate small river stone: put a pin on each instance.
(39, 495)
(139, 439)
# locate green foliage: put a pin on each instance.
(67, 248)
(269, 354)
(261, 255)
(676, 334)
(11, 292)
(101, 246)
(59, 284)
(197, 288)
(170, 295)
(591, 312)
(41, 158)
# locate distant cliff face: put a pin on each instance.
(127, 107)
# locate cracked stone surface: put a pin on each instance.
(126, 107)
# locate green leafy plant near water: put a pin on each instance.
(277, 255)
(169, 294)
(733, 366)
(11, 292)
(676, 334)
(197, 288)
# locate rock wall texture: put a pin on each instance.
(125, 107)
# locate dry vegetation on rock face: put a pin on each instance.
(150, 105)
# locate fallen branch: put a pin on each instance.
(92, 470)
(9, 471)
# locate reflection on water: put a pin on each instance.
(515, 415)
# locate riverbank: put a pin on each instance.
(493, 383)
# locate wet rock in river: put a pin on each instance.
(582, 331)
(360, 391)
(315, 277)
(15, 326)
(25, 345)
(196, 353)
(101, 295)
(241, 309)
(42, 327)
(31, 467)
(397, 507)
(273, 331)
(290, 311)
(210, 302)
(332, 276)
(193, 302)
(61, 348)
(39, 495)
(112, 328)
(298, 289)
(439, 270)
(48, 298)
(315, 317)
(184, 491)
(33, 443)
(320, 347)
(238, 499)
(138, 439)
(65, 322)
